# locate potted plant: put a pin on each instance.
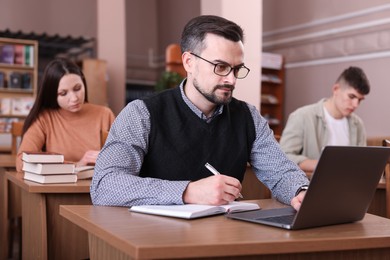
(168, 79)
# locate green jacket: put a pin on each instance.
(305, 135)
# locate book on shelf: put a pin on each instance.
(84, 172)
(29, 55)
(7, 54)
(26, 81)
(2, 79)
(5, 106)
(50, 178)
(269, 99)
(6, 124)
(15, 80)
(271, 120)
(22, 106)
(191, 211)
(3, 126)
(19, 54)
(42, 157)
(271, 78)
(49, 168)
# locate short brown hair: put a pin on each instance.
(356, 78)
(197, 28)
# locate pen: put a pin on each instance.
(215, 172)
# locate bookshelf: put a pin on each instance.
(18, 83)
(272, 91)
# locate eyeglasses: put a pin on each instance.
(223, 69)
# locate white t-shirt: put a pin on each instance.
(338, 130)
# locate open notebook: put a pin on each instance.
(190, 211)
(340, 191)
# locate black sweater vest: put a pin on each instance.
(180, 143)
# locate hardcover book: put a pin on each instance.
(5, 106)
(49, 168)
(190, 211)
(84, 172)
(7, 54)
(42, 157)
(22, 106)
(2, 79)
(26, 81)
(28, 55)
(3, 125)
(19, 57)
(15, 80)
(46, 179)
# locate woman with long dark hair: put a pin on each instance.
(62, 120)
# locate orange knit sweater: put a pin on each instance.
(68, 133)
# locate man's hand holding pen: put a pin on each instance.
(214, 190)
(216, 172)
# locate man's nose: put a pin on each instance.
(230, 78)
(355, 102)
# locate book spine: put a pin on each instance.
(32, 56)
(7, 54)
(27, 58)
(19, 56)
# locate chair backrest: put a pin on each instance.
(103, 137)
(386, 142)
(173, 60)
(16, 133)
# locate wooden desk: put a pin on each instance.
(45, 234)
(116, 233)
(7, 193)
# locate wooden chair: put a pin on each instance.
(376, 140)
(16, 133)
(252, 188)
(173, 60)
(386, 142)
(103, 137)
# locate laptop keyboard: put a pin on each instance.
(286, 219)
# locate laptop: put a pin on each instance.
(340, 191)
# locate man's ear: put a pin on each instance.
(336, 87)
(187, 60)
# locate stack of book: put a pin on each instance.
(47, 168)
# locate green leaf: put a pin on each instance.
(168, 79)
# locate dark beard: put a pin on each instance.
(212, 97)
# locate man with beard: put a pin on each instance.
(157, 148)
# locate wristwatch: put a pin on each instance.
(302, 188)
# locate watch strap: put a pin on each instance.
(302, 188)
